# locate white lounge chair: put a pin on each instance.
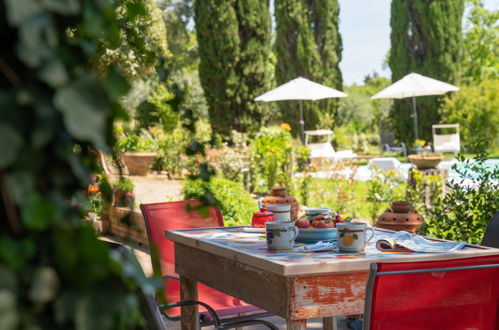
(325, 149)
(446, 142)
(387, 164)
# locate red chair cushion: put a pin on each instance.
(173, 215)
(459, 299)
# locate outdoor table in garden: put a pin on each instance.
(294, 285)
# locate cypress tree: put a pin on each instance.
(426, 38)
(234, 46)
(308, 44)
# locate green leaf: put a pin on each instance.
(85, 110)
(20, 185)
(8, 280)
(9, 317)
(62, 6)
(44, 285)
(19, 11)
(54, 73)
(10, 145)
(38, 213)
(37, 41)
(116, 85)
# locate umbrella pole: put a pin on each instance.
(415, 115)
(302, 124)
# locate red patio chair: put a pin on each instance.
(444, 294)
(174, 215)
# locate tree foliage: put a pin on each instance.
(234, 46)
(476, 109)
(426, 38)
(308, 44)
(481, 37)
(142, 38)
(56, 111)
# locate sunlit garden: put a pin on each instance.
(113, 109)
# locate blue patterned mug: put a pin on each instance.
(280, 235)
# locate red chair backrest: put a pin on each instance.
(465, 298)
(160, 217)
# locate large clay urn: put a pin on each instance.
(278, 196)
(138, 163)
(400, 217)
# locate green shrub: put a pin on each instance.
(476, 109)
(272, 158)
(235, 203)
(383, 188)
(170, 156)
(463, 214)
(133, 142)
(123, 184)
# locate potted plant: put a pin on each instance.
(94, 203)
(138, 151)
(123, 192)
(426, 160)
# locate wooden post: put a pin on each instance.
(297, 324)
(189, 314)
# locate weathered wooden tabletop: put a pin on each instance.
(293, 285)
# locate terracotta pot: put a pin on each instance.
(401, 206)
(123, 198)
(138, 163)
(278, 196)
(423, 162)
(409, 221)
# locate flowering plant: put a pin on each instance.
(94, 200)
(285, 127)
(420, 143)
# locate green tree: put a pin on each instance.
(143, 38)
(234, 46)
(426, 38)
(308, 44)
(476, 109)
(481, 37)
(55, 112)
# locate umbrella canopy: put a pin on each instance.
(300, 89)
(413, 85)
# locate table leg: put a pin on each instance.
(330, 323)
(297, 324)
(189, 319)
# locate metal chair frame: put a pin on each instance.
(389, 144)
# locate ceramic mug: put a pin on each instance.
(282, 212)
(352, 236)
(280, 235)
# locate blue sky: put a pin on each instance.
(365, 30)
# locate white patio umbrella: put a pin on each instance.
(413, 85)
(300, 89)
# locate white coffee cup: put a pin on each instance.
(282, 212)
(280, 235)
(352, 236)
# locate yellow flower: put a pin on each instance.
(420, 143)
(286, 127)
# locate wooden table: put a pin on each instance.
(296, 286)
